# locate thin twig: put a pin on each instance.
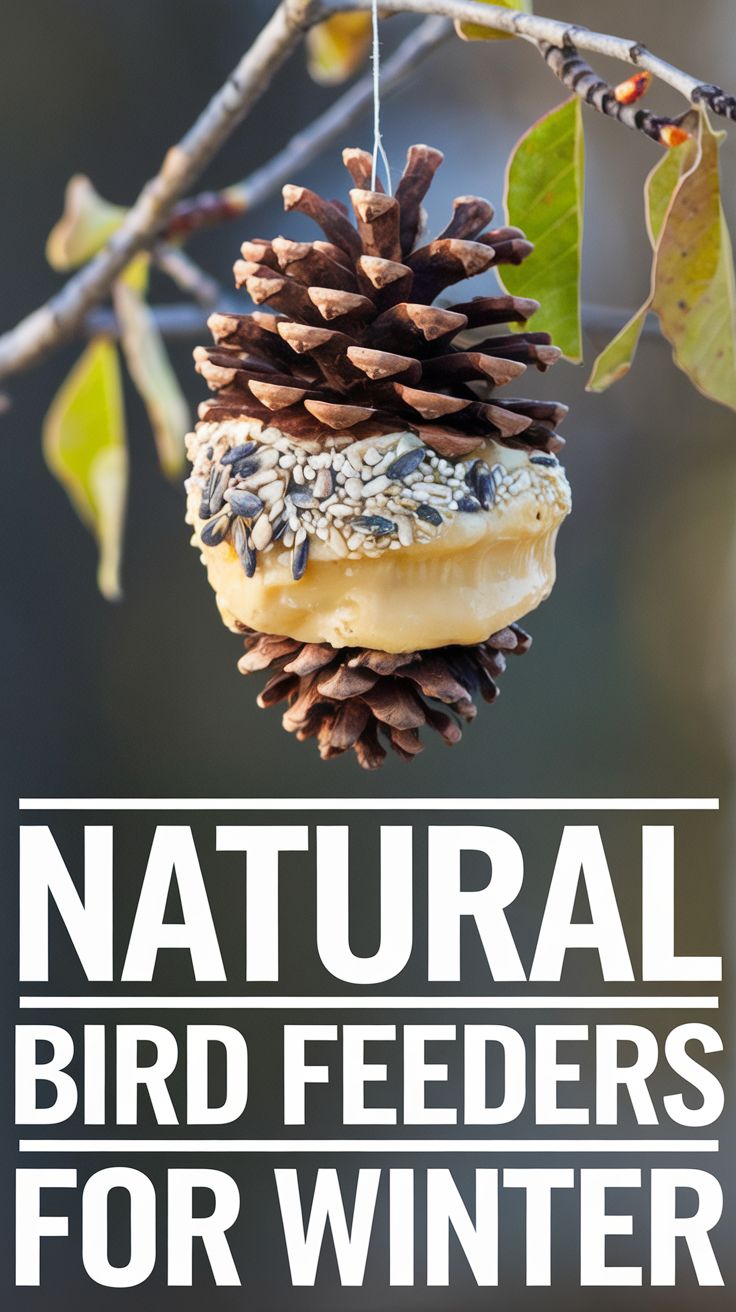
(577, 75)
(557, 33)
(185, 321)
(187, 275)
(46, 328)
(217, 207)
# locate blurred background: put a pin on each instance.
(629, 689)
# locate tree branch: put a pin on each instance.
(185, 321)
(46, 328)
(220, 206)
(37, 335)
(557, 33)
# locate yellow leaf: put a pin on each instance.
(474, 32)
(337, 48)
(151, 371)
(615, 360)
(136, 274)
(694, 291)
(87, 223)
(85, 447)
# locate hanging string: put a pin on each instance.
(378, 148)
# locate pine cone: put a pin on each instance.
(347, 698)
(354, 452)
(355, 347)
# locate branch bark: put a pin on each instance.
(557, 33)
(38, 334)
(221, 206)
(41, 332)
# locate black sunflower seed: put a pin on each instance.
(429, 514)
(481, 480)
(243, 544)
(406, 463)
(216, 530)
(251, 557)
(550, 461)
(469, 504)
(301, 496)
(299, 558)
(243, 468)
(375, 524)
(240, 537)
(219, 479)
(245, 503)
(238, 453)
(279, 529)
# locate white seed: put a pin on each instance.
(384, 463)
(262, 532)
(271, 492)
(372, 457)
(323, 484)
(298, 474)
(355, 457)
(261, 478)
(321, 533)
(301, 533)
(276, 509)
(288, 539)
(339, 509)
(376, 485)
(288, 461)
(309, 473)
(337, 542)
(354, 487)
(405, 530)
(407, 442)
(357, 540)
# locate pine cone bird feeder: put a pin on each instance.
(368, 508)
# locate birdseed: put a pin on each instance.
(362, 500)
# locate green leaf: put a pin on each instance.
(474, 32)
(337, 48)
(150, 368)
(694, 289)
(615, 360)
(544, 196)
(84, 445)
(87, 223)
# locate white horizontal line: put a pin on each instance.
(368, 804)
(525, 1002)
(291, 1146)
